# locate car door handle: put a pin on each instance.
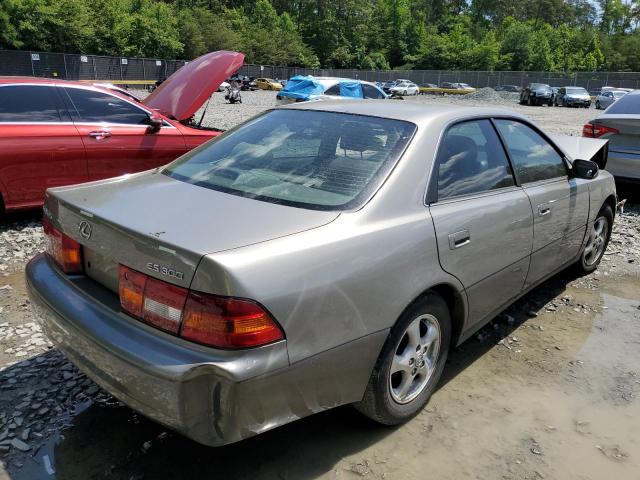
(544, 210)
(459, 239)
(102, 134)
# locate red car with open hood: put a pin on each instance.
(55, 132)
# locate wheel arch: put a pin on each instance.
(455, 301)
(610, 201)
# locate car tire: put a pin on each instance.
(599, 234)
(597, 105)
(530, 102)
(393, 397)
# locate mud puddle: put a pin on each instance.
(552, 393)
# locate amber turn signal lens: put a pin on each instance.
(65, 251)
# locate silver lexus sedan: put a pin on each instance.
(321, 254)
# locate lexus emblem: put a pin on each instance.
(85, 229)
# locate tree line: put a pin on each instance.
(567, 35)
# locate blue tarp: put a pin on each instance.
(350, 88)
(301, 87)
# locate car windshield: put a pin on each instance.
(627, 105)
(618, 94)
(576, 90)
(309, 159)
(540, 86)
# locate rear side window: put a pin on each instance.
(29, 103)
(91, 106)
(309, 159)
(335, 90)
(471, 160)
(369, 91)
(627, 105)
(533, 157)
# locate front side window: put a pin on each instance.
(471, 160)
(90, 106)
(29, 103)
(534, 158)
(309, 159)
(369, 91)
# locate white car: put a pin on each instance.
(223, 86)
(405, 88)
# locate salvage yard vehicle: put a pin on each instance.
(320, 254)
(536, 94)
(607, 97)
(267, 84)
(572, 97)
(620, 125)
(302, 88)
(405, 88)
(55, 132)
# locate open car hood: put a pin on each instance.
(184, 92)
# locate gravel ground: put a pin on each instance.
(549, 389)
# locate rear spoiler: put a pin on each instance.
(584, 148)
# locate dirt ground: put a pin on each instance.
(548, 390)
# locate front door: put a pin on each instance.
(117, 135)
(560, 204)
(483, 220)
(39, 145)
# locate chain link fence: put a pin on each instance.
(122, 69)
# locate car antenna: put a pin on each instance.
(204, 111)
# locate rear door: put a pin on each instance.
(483, 220)
(39, 145)
(560, 204)
(117, 136)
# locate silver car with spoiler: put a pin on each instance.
(321, 254)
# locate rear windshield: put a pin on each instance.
(629, 104)
(310, 159)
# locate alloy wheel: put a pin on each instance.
(415, 359)
(597, 241)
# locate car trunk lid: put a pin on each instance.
(627, 140)
(163, 227)
(184, 92)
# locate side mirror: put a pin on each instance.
(155, 122)
(584, 169)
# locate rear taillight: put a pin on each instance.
(64, 250)
(595, 131)
(227, 322)
(155, 302)
(206, 319)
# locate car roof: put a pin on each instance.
(4, 80)
(396, 110)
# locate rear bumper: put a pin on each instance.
(578, 103)
(213, 397)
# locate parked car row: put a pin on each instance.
(570, 96)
